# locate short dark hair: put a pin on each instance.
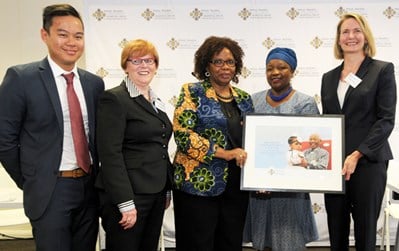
(292, 139)
(210, 47)
(58, 10)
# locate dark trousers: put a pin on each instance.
(363, 196)
(210, 223)
(70, 222)
(144, 235)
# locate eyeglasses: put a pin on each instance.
(220, 62)
(139, 61)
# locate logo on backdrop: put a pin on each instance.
(196, 14)
(99, 14)
(123, 43)
(316, 42)
(148, 14)
(173, 43)
(244, 13)
(268, 43)
(292, 13)
(389, 12)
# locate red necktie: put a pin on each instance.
(78, 132)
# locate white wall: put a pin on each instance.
(20, 24)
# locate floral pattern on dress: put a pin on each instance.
(199, 124)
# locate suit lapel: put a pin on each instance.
(363, 69)
(49, 83)
(333, 87)
(141, 101)
(360, 74)
(88, 94)
(147, 106)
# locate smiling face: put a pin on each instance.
(64, 40)
(222, 75)
(141, 74)
(278, 74)
(351, 37)
(314, 141)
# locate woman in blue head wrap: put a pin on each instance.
(277, 220)
(280, 67)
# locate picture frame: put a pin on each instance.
(269, 165)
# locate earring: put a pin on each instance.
(235, 79)
(207, 74)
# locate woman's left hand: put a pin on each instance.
(350, 164)
(240, 155)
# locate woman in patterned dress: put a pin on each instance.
(209, 207)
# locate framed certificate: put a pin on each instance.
(283, 155)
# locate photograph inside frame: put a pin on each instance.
(293, 153)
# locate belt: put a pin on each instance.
(76, 173)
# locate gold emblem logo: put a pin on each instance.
(148, 14)
(245, 72)
(123, 43)
(173, 43)
(102, 72)
(316, 42)
(268, 43)
(317, 98)
(244, 14)
(196, 14)
(340, 12)
(173, 101)
(292, 13)
(316, 208)
(389, 12)
(99, 14)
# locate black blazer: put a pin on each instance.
(132, 145)
(369, 108)
(31, 129)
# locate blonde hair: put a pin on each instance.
(369, 47)
(138, 48)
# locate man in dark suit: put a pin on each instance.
(37, 136)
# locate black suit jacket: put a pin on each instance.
(369, 108)
(31, 129)
(132, 145)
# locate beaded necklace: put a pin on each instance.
(280, 97)
(225, 97)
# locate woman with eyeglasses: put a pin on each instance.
(133, 133)
(209, 207)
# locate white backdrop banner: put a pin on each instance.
(178, 27)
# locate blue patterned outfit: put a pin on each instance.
(199, 124)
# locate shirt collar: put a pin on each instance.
(58, 71)
(134, 92)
